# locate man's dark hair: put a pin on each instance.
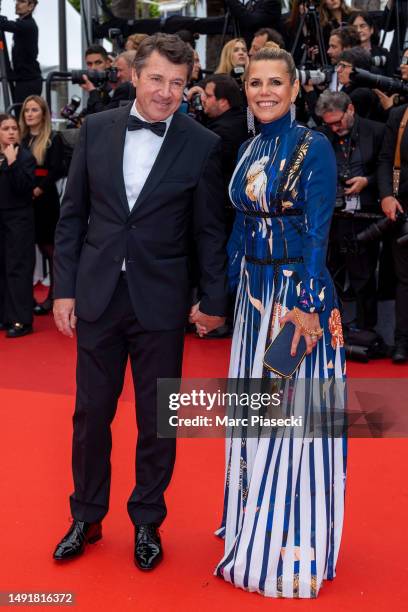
(169, 46)
(348, 36)
(272, 36)
(357, 57)
(225, 87)
(97, 50)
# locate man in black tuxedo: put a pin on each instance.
(144, 186)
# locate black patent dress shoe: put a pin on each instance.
(73, 543)
(400, 353)
(148, 548)
(42, 309)
(16, 330)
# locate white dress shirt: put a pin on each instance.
(141, 150)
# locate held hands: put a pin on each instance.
(304, 324)
(64, 316)
(37, 192)
(204, 323)
(357, 184)
(390, 206)
(10, 153)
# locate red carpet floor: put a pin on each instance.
(36, 399)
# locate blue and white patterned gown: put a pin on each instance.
(284, 497)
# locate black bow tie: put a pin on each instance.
(158, 128)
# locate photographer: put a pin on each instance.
(123, 91)
(394, 203)
(365, 101)
(26, 72)
(96, 58)
(234, 59)
(357, 144)
(340, 40)
(389, 101)
(368, 32)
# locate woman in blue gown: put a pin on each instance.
(284, 495)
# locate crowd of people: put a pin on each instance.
(218, 101)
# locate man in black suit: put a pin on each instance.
(144, 185)
(357, 144)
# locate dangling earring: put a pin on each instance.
(292, 112)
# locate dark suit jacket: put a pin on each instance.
(369, 136)
(231, 127)
(17, 181)
(181, 203)
(386, 160)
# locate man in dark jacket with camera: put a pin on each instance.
(357, 144)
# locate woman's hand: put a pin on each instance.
(10, 153)
(303, 321)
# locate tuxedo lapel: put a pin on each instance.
(173, 143)
(118, 129)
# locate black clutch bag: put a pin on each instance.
(277, 356)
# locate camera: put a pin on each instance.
(376, 230)
(322, 76)
(98, 78)
(343, 176)
(68, 112)
(388, 85)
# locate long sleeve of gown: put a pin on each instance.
(318, 181)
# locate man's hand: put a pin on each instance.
(204, 323)
(10, 153)
(357, 184)
(389, 206)
(385, 101)
(196, 89)
(64, 316)
(87, 85)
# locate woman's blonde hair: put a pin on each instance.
(225, 64)
(43, 140)
(325, 15)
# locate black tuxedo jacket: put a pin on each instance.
(180, 206)
(368, 136)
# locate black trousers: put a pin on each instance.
(103, 350)
(17, 259)
(23, 89)
(360, 262)
(400, 255)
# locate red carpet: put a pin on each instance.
(36, 398)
